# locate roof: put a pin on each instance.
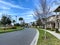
(57, 9)
(52, 16)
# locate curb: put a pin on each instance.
(35, 40)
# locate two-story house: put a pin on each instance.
(54, 20)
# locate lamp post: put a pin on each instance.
(16, 19)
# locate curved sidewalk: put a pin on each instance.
(57, 35)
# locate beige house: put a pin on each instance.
(54, 20)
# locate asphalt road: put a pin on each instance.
(23, 37)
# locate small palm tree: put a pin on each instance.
(21, 19)
(14, 21)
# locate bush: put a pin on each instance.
(57, 31)
(53, 29)
(6, 28)
(48, 28)
(14, 27)
(17, 24)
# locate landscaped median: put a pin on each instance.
(5, 30)
(50, 40)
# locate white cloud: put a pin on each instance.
(30, 12)
(4, 8)
(12, 5)
(28, 16)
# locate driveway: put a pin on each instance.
(23, 37)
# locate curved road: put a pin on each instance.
(23, 37)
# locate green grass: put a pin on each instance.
(11, 30)
(50, 40)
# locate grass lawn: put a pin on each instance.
(11, 30)
(51, 40)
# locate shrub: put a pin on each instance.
(6, 28)
(57, 31)
(17, 24)
(53, 29)
(48, 28)
(14, 27)
(3, 28)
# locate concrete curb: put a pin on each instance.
(35, 40)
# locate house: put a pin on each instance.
(54, 20)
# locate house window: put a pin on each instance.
(57, 16)
(53, 25)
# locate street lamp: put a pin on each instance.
(16, 19)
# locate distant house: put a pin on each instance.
(54, 20)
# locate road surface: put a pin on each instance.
(23, 37)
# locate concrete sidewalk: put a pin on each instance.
(57, 35)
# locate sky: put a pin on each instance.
(19, 8)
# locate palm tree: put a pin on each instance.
(14, 21)
(21, 19)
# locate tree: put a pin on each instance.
(33, 23)
(8, 21)
(14, 21)
(5, 20)
(17, 24)
(21, 19)
(43, 10)
(23, 23)
(38, 22)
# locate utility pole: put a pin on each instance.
(16, 19)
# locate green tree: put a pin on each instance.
(22, 22)
(21, 19)
(5, 20)
(8, 21)
(14, 21)
(38, 22)
(33, 24)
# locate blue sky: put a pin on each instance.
(19, 8)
